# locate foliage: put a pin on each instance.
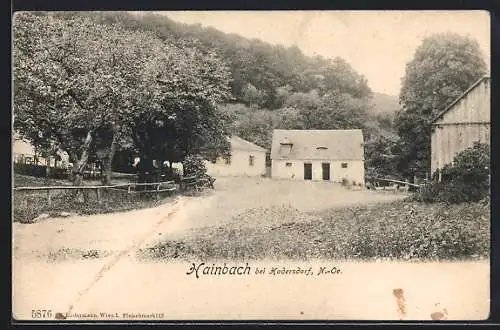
(443, 67)
(260, 71)
(85, 87)
(466, 180)
(194, 165)
(381, 156)
(73, 80)
(390, 231)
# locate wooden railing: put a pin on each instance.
(396, 184)
(130, 188)
(189, 182)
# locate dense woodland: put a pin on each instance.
(250, 87)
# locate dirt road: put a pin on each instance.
(81, 266)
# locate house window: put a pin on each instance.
(288, 164)
(251, 160)
(344, 165)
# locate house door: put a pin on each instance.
(326, 171)
(307, 171)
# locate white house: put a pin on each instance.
(319, 155)
(463, 122)
(247, 159)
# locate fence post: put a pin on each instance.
(48, 197)
(98, 195)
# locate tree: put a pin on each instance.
(380, 156)
(184, 118)
(66, 82)
(332, 111)
(254, 97)
(442, 68)
(85, 87)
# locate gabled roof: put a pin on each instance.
(464, 94)
(318, 144)
(238, 143)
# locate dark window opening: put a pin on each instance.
(288, 164)
(307, 171)
(344, 165)
(326, 171)
(251, 160)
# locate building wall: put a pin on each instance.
(466, 122)
(355, 170)
(239, 165)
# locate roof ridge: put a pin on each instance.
(248, 142)
(461, 96)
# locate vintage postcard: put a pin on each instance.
(281, 165)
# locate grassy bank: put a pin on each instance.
(399, 230)
(29, 205)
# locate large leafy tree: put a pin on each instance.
(184, 118)
(85, 87)
(443, 67)
(72, 79)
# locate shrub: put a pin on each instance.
(194, 166)
(466, 180)
(345, 182)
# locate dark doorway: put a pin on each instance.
(326, 171)
(308, 171)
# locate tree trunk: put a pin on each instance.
(79, 165)
(107, 164)
(47, 170)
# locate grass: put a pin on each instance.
(399, 230)
(29, 205)
(31, 181)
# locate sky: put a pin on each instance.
(377, 44)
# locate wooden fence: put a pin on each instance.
(391, 184)
(128, 188)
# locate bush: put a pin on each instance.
(466, 180)
(194, 165)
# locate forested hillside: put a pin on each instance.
(266, 76)
(273, 86)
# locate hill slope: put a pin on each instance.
(384, 103)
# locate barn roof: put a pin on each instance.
(238, 143)
(318, 144)
(464, 94)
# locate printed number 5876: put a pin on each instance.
(41, 313)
